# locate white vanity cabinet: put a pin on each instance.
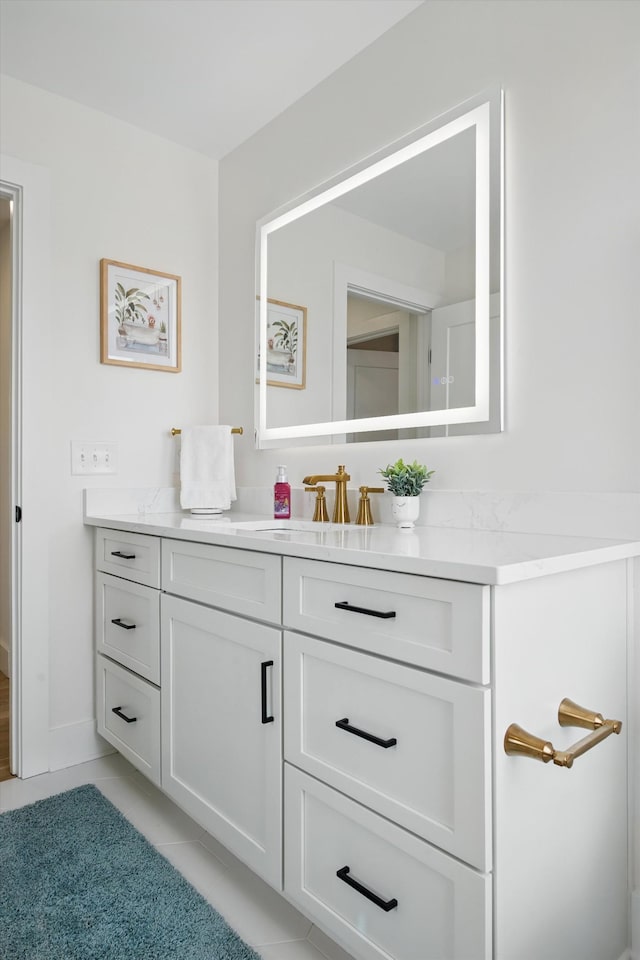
(127, 627)
(409, 833)
(337, 720)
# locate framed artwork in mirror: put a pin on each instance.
(286, 343)
(139, 317)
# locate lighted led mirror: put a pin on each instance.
(379, 301)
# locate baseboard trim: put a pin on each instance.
(4, 661)
(76, 743)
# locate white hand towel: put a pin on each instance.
(207, 474)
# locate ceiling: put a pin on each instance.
(204, 73)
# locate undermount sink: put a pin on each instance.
(281, 526)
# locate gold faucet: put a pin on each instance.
(341, 507)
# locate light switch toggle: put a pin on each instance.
(93, 457)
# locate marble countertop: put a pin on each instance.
(476, 556)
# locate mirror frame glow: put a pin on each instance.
(485, 114)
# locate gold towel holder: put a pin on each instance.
(176, 430)
(518, 742)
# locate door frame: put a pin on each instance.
(27, 185)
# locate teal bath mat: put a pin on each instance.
(78, 882)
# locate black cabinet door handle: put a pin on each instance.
(382, 614)
(264, 666)
(123, 556)
(125, 626)
(386, 905)
(118, 712)
(344, 725)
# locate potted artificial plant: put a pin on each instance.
(162, 339)
(286, 338)
(130, 315)
(405, 481)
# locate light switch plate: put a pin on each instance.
(93, 457)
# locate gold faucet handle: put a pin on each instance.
(364, 518)
(320, 513)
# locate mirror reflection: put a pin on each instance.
(398, 282)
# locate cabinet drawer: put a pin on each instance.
(128, 624)
(138, 737)
(428, 764)
(443, 909)
(439, 624)
(240, 581)
(135, 556)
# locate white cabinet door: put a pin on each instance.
(221, 729)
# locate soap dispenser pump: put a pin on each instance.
(282, 496)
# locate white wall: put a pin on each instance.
(123, 194)
(571, 75)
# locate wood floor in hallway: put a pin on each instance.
(5, 773)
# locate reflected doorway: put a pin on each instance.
(386, 369)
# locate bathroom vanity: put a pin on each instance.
(330, 702)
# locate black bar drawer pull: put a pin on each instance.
(118, 712)
(386, 905)
(264, 666)
(125, 626)
(344, 725)
(383, 614)
(123, 556)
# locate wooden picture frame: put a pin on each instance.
(286, 344)
(140, 317)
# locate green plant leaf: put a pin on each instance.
(406, 480)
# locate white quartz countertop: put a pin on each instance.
(476, 556)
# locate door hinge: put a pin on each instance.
(18, 514)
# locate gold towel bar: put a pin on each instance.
(176, 430)
(518, 742)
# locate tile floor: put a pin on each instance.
(275, 929)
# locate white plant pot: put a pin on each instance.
(405, 511)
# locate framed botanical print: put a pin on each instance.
(139, 317)
(286, 344)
